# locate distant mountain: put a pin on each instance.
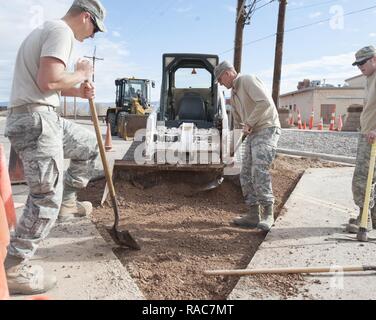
(82, 108)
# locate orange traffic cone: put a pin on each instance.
(340, 123)
(6, 190)
(332, 122)
(311, 120)
(108, 142)
(300, 126)
(321, 124)
(4, 241)
(16, 171)
(305, 125)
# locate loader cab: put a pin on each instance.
(133, 101)
(188, 92)
(131, 88)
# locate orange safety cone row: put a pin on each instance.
(321, 124)
(108, 142)
(311, 120)
(4, 241)
(332, 122)
(6, 190)
(340, 123)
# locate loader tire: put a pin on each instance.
(111, 118)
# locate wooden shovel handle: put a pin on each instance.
(372, 160)
(248, 272)
(102, 151)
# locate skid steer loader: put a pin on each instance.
(133, 106)
(187, 139)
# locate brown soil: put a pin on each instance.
(183, 234)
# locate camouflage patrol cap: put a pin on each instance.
(364, 54)
(222, 67)
(95, 8)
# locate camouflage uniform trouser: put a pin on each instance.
(361, 173)
(43, 140)
(259, 153)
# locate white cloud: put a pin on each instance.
(315, 15)
(373, 34)
(334, 69)
(183, 10)
(19, 17)
(116, 34)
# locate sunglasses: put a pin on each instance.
(363, 62)
(96, 29)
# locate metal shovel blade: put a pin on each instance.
(213, 184)
(123, 238)
(362, 235)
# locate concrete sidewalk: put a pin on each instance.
(305, 235)
(84, 264)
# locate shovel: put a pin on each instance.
(121, 237)
(362, 233)
(325, 269)
(217, 182)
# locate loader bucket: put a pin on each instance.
(199, 177)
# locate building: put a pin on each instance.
(324, 99)
(357, 81)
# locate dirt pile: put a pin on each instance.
(182, 233)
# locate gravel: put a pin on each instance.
(323, 142)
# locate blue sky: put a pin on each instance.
(139, 32)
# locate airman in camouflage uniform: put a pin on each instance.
(43, 139)
(366, 62)
(260, 151)
(253, 110)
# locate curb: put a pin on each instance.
(335, 158)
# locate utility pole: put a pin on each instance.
(240, 21)
(279, 51)
(94, 58)
(244, 14)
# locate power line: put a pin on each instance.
(313, 5)
(249, 14)
(264, 5)
(328, 19)
(252, 8)
(300, 27)
(155, 12)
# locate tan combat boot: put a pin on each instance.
(74, 209)
(251, 219)
(267, 218)
(26, 279)
(353, 225)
